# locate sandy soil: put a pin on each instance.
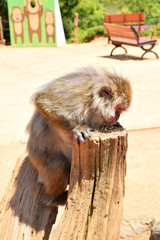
(22, 71)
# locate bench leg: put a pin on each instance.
(148, 50)
(116, 46)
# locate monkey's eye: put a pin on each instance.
(105, 92)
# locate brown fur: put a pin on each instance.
(71, 105)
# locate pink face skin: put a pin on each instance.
(107, 93)
(119, 108)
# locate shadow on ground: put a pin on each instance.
(125, 57)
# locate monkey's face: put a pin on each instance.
(114, 105)
(112, 100)
(17, 15)
(49, 17)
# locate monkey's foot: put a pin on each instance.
(81, 132)
(52, 202)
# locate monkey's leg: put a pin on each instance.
(22, 37)
(30, 36)
(47, 38)
(58, 201)
(39, 36)
(54, 173)
(15, 39)
(54, 37)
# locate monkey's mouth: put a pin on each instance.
(113, 121)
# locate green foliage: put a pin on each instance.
(91, 18)
(151, 8)
(87, 36)
(4, 15)
(67, 12)
(3, 8)
(91, 15)
(3, 2)
(67, 7)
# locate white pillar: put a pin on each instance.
(60, 37)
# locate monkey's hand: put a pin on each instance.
(81, 132)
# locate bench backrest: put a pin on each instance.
(130, 19)
(122, 32)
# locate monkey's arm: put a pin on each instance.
(26, 13)
(40, 10)
(45, 104)
(22, 17)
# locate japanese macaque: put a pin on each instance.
(69, 106)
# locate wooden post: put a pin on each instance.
(75, 40)
(97, 185)
(2, 40)
(21, 215)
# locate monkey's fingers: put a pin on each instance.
(86, 134)
(81, 132)
(81, 135)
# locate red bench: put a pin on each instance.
(127, 35)
(130, 19)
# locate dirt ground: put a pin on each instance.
(23, 70)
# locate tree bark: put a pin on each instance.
(21, 214)
(97, 185)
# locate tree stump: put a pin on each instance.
(97, 184)
(21, 215)
(95, 200)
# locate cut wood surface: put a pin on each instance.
(21, 214)
(97, 184)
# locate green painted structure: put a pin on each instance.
(33, 23)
